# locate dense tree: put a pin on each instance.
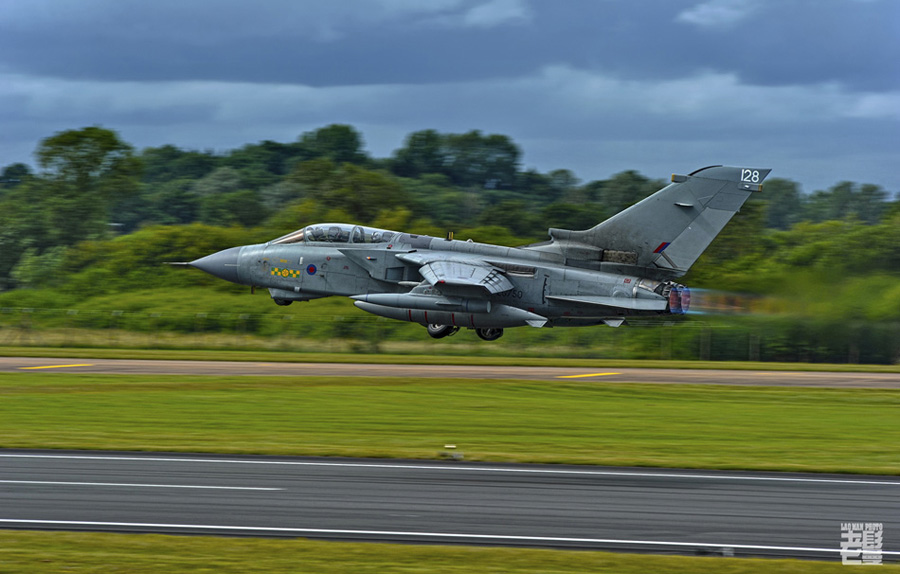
(484, 161)
(437, 182)
(268, 156)
(39, 270)
(468, 159)
(87, 158)
(847, 200)
(363, 193)
(421, 154)
(536, 186)
(222, 180)
(174, 203)
(622, 190)
(338, 142)
(841, 247)
(264, 164)
(356, 191)
(871, 203)
(280, 194)
(784, 204)
(14, 175)
(314, 175)
(572, 215)
(126, 213)
(739, 242)
(23, 226)
(167, 163)
(242, 207)
(83, 173)
(514, 215)
(562, 183)
(433, 196)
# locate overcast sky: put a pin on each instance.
(810, 88)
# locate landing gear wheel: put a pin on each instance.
(489, 334)
(282, 302)
(441, 331)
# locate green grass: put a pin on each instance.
(833, 430)
(82, 553)
(228, 317)
(398, 358)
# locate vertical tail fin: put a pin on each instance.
(670, 229)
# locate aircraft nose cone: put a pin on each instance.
(223, 264)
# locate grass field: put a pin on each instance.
(575, 422)
(81, 553)
(566, 422)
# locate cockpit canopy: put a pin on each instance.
(337, 233)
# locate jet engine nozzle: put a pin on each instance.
(679, 299)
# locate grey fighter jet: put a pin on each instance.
(623, 267)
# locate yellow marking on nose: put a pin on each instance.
(586, 375)
(57, 366)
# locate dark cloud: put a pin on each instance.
(772, 43)
(591, 85)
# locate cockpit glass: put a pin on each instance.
(295, 237)
(336, 233)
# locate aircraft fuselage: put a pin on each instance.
(377, 276)
(622, 267)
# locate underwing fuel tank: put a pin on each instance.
(499, 316)
(426, 302)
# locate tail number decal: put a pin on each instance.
(750, 176)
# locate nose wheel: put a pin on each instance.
(489, 334)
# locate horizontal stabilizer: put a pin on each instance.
(615, 302)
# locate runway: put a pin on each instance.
(612, 374)
(635, 510)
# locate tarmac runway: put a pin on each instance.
(628, 509)
(612, 374)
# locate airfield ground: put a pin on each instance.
(586, 422)
(568, 421)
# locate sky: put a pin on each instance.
(809, 88)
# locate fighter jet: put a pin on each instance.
(623, 267)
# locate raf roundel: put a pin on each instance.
(311, 269)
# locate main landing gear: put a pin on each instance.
(441, 331)
(489, 334)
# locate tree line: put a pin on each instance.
(91, 225)
(91, 185)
